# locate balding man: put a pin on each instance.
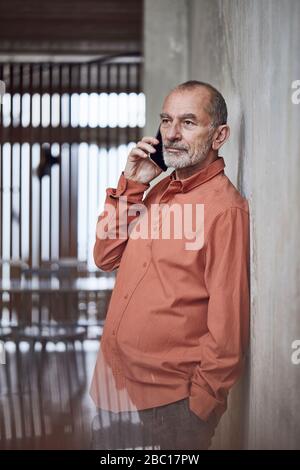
(177, 325)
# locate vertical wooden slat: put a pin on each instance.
(11, 84)
(107, 143)
(50, 146)
(70, 170)
(40, 88)
(21, 163)
(127, 78)
(61, 162)
(30, 165)
(118, 78)
(60, 178)
(40, 182)
(138, 82)
(70, 192)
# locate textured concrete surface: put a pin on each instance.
(166, 57)
(250, 51)
(165, 50)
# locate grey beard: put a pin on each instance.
(182, 159)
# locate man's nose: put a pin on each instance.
(173, 132)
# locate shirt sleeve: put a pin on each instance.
(112, 227)
(224, 345)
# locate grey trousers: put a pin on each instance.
(168, 427)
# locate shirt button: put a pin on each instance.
(144, 264)
(113, 332)
(126, 296)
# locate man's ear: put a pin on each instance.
(220, 136)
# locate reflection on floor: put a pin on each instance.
(45, 404)
(44, 400)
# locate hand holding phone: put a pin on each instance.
(139, 166)
(157, 157)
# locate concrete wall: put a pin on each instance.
(250, 50)
(166, 57)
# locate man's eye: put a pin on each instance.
(188, 122)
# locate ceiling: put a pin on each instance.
(93, 27)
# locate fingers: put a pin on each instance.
(147, 147)
(144, 147)
(138, 152)
(150, 140)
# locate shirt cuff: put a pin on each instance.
(133, 190)
(203, 404)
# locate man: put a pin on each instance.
(177, 325)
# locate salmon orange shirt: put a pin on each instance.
(177, 324)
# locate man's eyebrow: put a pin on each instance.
(182, 116)
(164, 115)
(188, 116)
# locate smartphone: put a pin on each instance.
(157, 157)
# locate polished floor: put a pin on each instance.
(45, 404)
(44, 400)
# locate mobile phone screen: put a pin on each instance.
(157, 157)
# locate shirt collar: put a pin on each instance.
(204, 174)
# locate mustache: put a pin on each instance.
(175, 147)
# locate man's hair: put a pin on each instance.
(217, 108)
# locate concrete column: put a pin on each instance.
(166, 56)
(250, 51)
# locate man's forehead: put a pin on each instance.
(193, 101)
